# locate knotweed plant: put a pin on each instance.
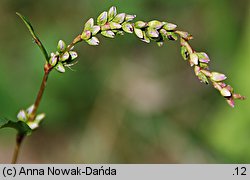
(110, 24)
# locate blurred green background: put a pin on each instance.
(127, 101)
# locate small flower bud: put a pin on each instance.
(129, 17)
(203, 57)
(153, 33)
(163, 32)
(160, 43)
(119, 18)
(138, 33)
(64, 57)
(206, 72)
(203, 78)
(230, 101)
(30, 109)
(61, 46)
(197, 70)
(109, 34)
(145, 37)
(86, 35)
(140, 24)
(93, 41)
(194, 60)
(22, 116)
(225, 92)
(89, 24)
(185, 35)
(39, 117)
(73, 55)
(114, 25)
(170, 26)
(94, 30)
(60, 68)
(172, 36)
(218, 76)
(112, 13)
(53, 60)
(155, 24)
(102, 18)
(127, 27)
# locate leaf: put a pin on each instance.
(21, 127)
(32, 32)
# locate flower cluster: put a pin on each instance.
(200, 60)
(24, 115)
(63, 57)
(110, 23)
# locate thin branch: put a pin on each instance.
(19, 140)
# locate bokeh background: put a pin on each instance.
(127, 101)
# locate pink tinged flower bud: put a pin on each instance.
(153, 33)
(185, 35)
(155, 24)
(218, 76)
(22, 116)
(95, 29)
(61, 46)
(207, 73)
(203, 57)
(225, 92)
(114, 25)
(170, 26)
(217, 86)
(86, 35)
(238, 96)
(109, 34)
(60, 68)
(230, 101)
(197, 70)
(145, 37)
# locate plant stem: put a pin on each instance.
(47, 69)
(74, 42)
(19, 140)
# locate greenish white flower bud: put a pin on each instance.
(138, 33)
(119, 18)
(112, 13)
(194, 60)
(155, 24)
(215, 76)
(73, 55)
(102, 18)
(60, 68)
(89, 24)
(30, 109)
(61, 47)
(203, 78)
(22, 116)
(140, 24)
(64, 57)
(53, 60)
(86, 35)
(95, 29)
(109, 34)
(160, 43)
(129, 17)
(225, 92)
(127, 27)
(152, 32)
(114, 25)
(145, 37)
(40, 117)
(93, 41)
(170, 26)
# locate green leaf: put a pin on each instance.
(21, 127)
(32, 32)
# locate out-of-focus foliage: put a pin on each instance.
(127, 101)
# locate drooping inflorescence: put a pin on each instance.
(110, 23)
